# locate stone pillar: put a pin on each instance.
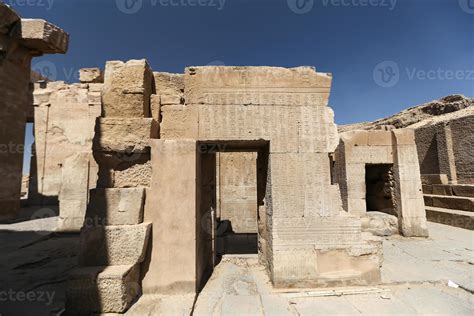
(447, 162)
(20, 40)
(172, 207)
(409, 202)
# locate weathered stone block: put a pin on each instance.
(109, 289)
(74, 192)
(404, 136)
(179, 121)
(127, 89)
(123, 170)
(169, 84)
(129, 135)
(122, 206)
(138, 175)
(355, 138)
(170, 99)
(380, 224)
(155, 106)
(94, 98)
(114, 245)
(42, 36)
(96, 87)
(91, 75)
(380, 138)
(229, 85)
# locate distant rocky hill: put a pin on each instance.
(431, 111)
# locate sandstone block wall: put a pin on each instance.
(64, 121)
(20, 40)
(237, 190)
(445, 145)
(114, 239)
(442, 133)
(287, 109)
(396, 148)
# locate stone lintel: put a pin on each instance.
(42, 37)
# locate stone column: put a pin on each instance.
(171, 207)
(409, 202)
(20, 40)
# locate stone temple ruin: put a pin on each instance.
(164, 173)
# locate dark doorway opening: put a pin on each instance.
(379, 188)
(235, 226)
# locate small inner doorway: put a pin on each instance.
(379, 183)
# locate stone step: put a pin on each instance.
(449, 217)
(466, 190)
(115, 206)
(102, 289)
(114, 245)
(450, 202)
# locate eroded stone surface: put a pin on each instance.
(380, 224)
(127, 89)
(114, 245)
(129, 135)
(123, 206)
(42, 36)
(108, 289)
(91, 75)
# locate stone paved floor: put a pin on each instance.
(415, 277)
(416, 272)
(33, 260)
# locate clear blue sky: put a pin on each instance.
(427, 45)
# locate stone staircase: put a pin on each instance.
(450, 204)
(114, 238)
(113, 245)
